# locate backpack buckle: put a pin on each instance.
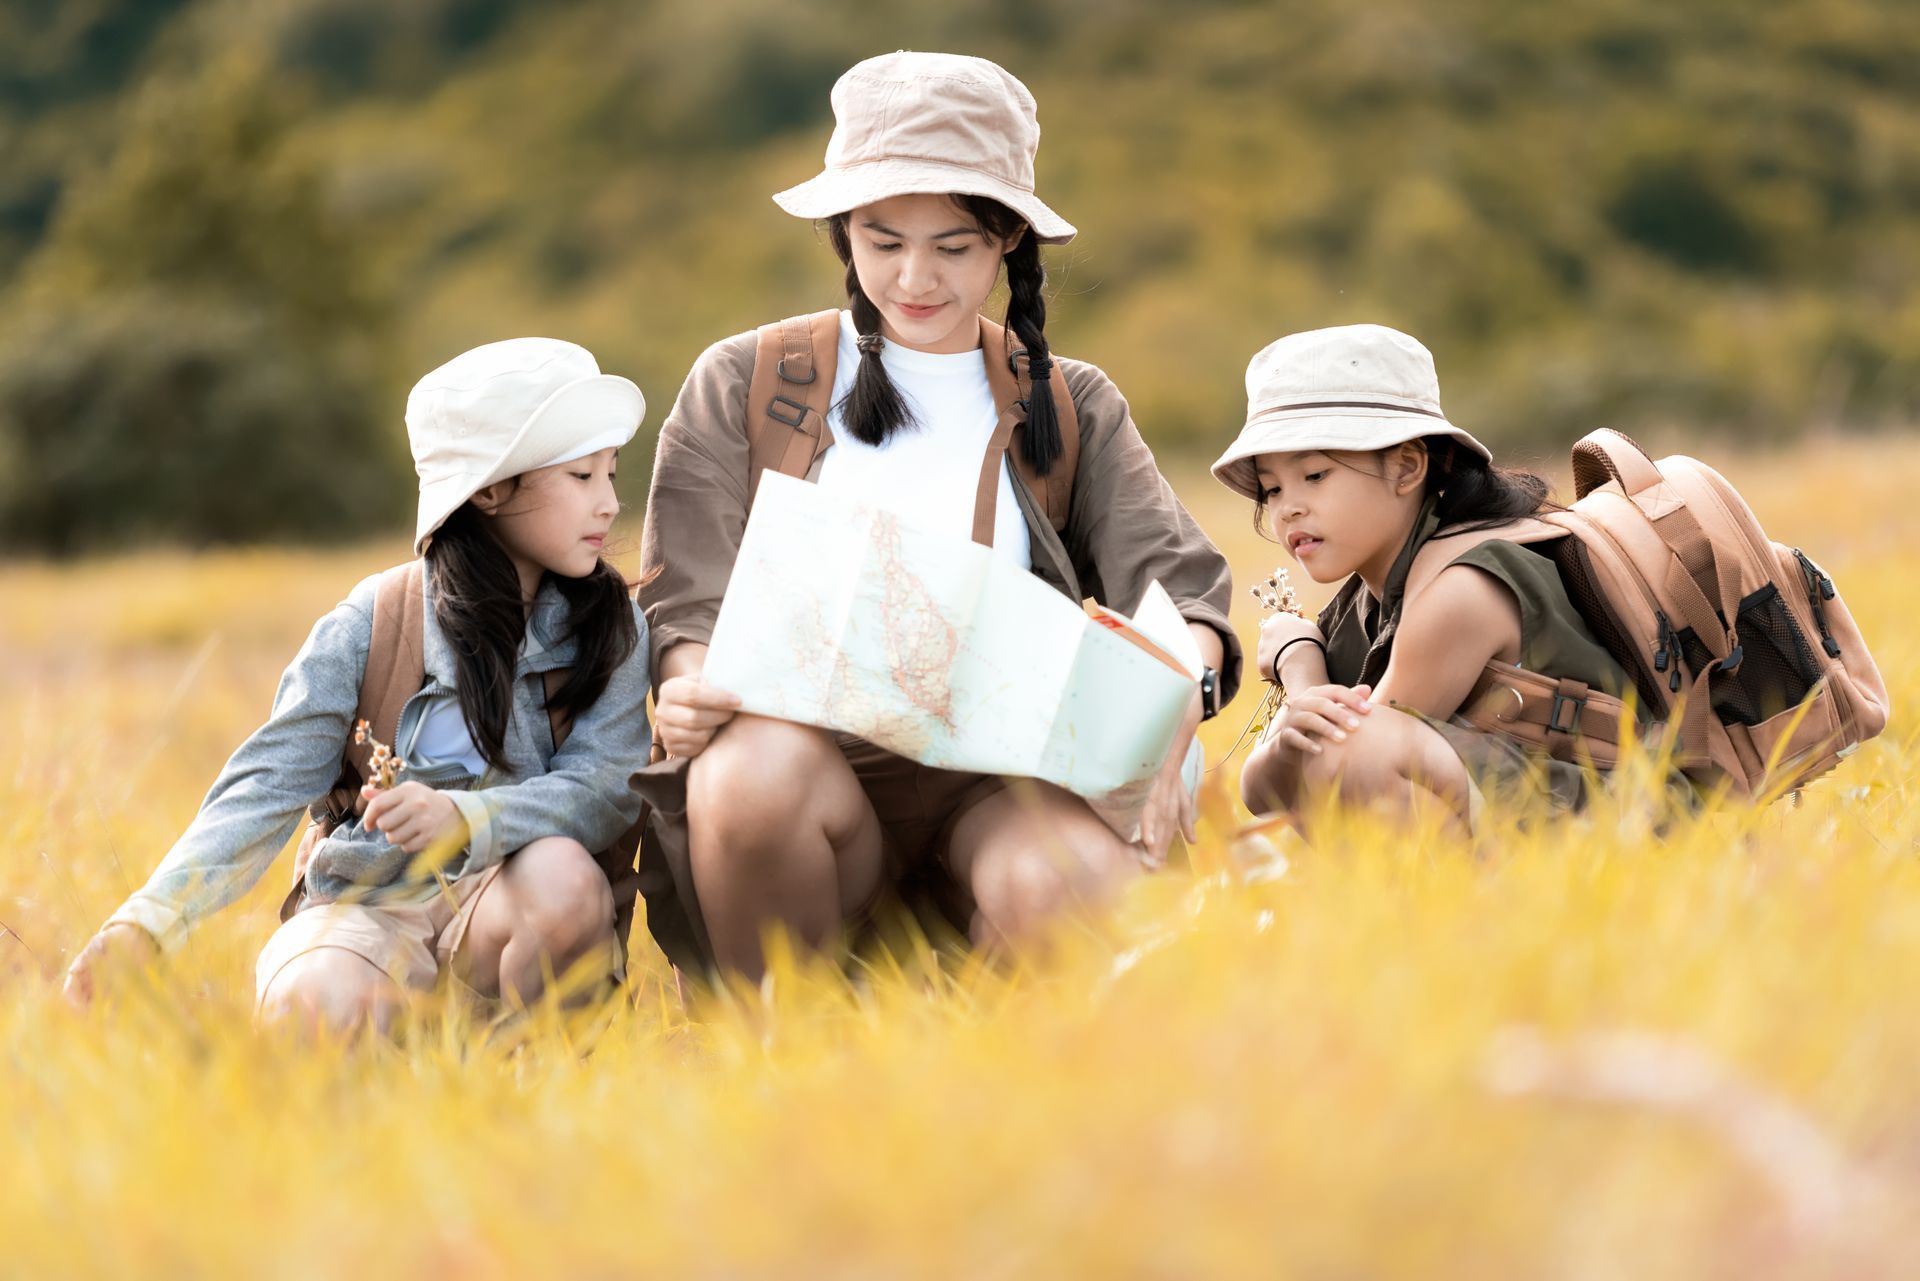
(1573, 722)
(799, 411)
(786, 377)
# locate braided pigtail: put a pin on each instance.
(874, 409)
(1027, 317)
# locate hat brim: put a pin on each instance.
(604, 406)
(842, 188)
(1295, 431)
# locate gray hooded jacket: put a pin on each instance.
(260, 797)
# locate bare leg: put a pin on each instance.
(780, 831)
(1031, 852)
(1393, 762)
(549, 910)
(331, 989)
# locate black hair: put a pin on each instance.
(874, 408)
(1470, 493)
(476, 601)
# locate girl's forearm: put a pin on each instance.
(1213, 651)
(684, 659)
(1302, 666)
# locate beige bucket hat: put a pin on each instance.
(507, 408)
(935, 122)
(1357, 387)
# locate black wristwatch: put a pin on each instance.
(1209, 693)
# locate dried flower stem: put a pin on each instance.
(383, 767)
(1276, 595)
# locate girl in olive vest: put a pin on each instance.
(1358, 472)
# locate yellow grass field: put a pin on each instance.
(1578, 1051)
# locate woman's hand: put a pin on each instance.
(119, 948)
(414, 817)
(1169, 805)
(1277, 632)
(1320, 714)
(689, 713)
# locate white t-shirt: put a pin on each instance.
(928, 471)
(442, 738)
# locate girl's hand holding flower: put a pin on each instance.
(414, 817)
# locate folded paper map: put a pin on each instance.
(852, 618)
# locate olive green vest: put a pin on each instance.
(1554, 641)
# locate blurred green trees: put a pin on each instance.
(232, 235)
(197, 350)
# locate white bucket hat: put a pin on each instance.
(507, 408)
(1356, 387)
(929, 122)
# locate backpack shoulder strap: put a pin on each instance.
(790, 394)
(396, 661)
(1007, 375)
(1442, 550)
(1696, 580)
(396, 669)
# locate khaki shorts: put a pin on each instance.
(918, 807)
(411, 943)
(1523, 779)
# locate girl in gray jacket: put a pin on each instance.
(477, 868)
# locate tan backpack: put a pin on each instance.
(1744, 640)
(792, 392)
(396, 669)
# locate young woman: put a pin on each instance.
(928, 198)
(1355, 469)
(476, 867)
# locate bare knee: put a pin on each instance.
(1021, 888)
(1385, 760)
(757, 778)
(566, 906)
(331, 989)
(1028, 888)
(1368, 764)
(766, 788)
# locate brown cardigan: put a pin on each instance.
(1124, 528)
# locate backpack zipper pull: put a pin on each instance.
(1820, 590)
(1667, 653)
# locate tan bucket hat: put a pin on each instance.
(506, 408)
(929, 122)
(1357, 387)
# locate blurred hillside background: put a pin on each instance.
(232, 234)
